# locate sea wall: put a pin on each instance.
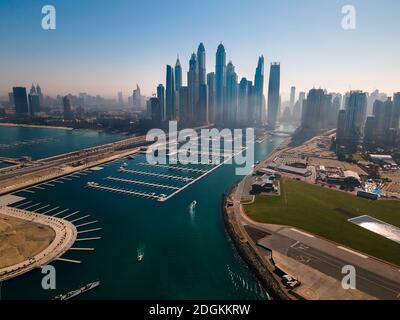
(248, 254)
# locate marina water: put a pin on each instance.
(187, 252)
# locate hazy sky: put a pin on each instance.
(102, 47)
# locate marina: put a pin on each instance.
(133, 222)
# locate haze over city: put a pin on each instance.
(178, 151)
(106, 47)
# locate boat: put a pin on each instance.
(74, 293)
(124, 166)
(92, 184)
(193, 204)
(140, 255)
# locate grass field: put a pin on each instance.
(324, 212)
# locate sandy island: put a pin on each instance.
(29, 240)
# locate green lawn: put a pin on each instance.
(324, 212)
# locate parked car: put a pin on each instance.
(290, 282)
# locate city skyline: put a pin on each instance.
(108, 64)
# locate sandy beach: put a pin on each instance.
(7, 124)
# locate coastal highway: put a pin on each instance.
(83, 155)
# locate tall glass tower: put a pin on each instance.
(273, 94)
(170, 95)
(220, 83)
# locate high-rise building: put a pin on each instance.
(313, 115)
(292, 96)
(250, 103)
(184, 105)
(388, 114)
(137, 99)
(396, 111)
(67, 108)
(356, 111)
(156, 111)
(231, 99)
(120, 99)
(333, 112)
(341, 126)
(39, 90)
(211, 96)
(201, 59)
(370, 130)
(34, 103)
(20, 100)
(243, 100)
(379, 112)
(258, 92)
(170, 95)
(220, 83)
(161, 98)
(33, 90)
(11, 98)
(203, 104)
(273, 94)
(193, 86)
(178, 75)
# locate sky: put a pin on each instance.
(102, 47)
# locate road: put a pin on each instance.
(374, 277)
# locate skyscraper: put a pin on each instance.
(137, 98)
(33, 90)
(120, 99)
(20, 100)
(388, 113)
(334, 112)
(34, 103)
(220, 83)
(193, 86)
(356, 111)
(170, 95)
(313, 115)
(273, 94)
(341, 127)
(243, 100)
(231, 101)
(67, 108)
(202, 87)
(156, 112)
(203, 104)
(161, 98)
(211, 96)
(370, 129)
(184, 104)
(39, 90)
(178, 75)
(201, 59)
(292, 96)
(258, 91)
(379, 112)
(396, 111)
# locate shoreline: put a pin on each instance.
(65, 236)
(245, 250)
(9, 124)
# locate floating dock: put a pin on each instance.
(127, 192)
(143, 183)
(159, 175)
(171, 167)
